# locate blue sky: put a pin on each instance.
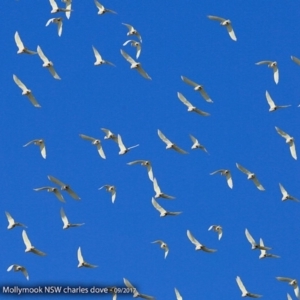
(178, 39)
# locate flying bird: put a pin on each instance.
(251, 176)
(162, 211)
(56, 9)
(197, 87)
(11, 222)
(111, 189)
(197, 145)
(292, 282)
(135, 44)
(169, 144)
(47, 63)
(286, 195)
(83, 263)
(66, 222)
(135, 65)
(225, 173)
(263, 253)
(20, 45)
(41, 144)
(272, 105)
(254, 245)
(295, 60)
(132, 31)
(29, 247)
(145, 163)
(245, 293)
(178, 296)
(68, 7)
(96, 143)
(198, 245)
(102, 10)
(289, 140)
(18, 268)
(135, 292)
(227, 24)
(53, 190)
(158, 192)
(272, 65)
(109, 135)
(64, 187)
(218, 229)
(26, 91)
(59, 23)
(163, 245)
(99, 60)
(123, 149)
(190, 106)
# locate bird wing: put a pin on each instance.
(156, 187)
(59, 195)
(241, 168)
(26, 239)
(163, 137)
(99, 5)
(38, 252)
(53, 4)
(229, 180)
(208, 250)
(127, 57)
(231, 32)
(205, 95)
(9, 218)
(64, 217)
(97, 54)
(157, 242)
(109, 63)
(138, 50)
(42, 55)
(157, 206)
(135, 162)
(143, 72)
(113, 196)
(276, 74)
(10, 268)
(100, 151)
(201, 112)
(31, 142)
(111, 11)
(79, 255)
(295, 60)
(270, 100)
(293, 150)
(241, 285)
(43, 150)
(218, 171)
(128, 284)
(150, 172)
(289, 297)
(86, 137)
(283, 190)
(53, 72)
(188, 81)
(33, 100)
(258, 184)
(25, 273)
(19, 83)
(215, 18)
(192, 239)
(18, 41)
(249, 237)
(184, 100)
(282, 133)
(120, 143)
(146, 297)
(49, 21)
(178, 296)
(56, 181)
(194, 140)
(263, 62)
(285, 279)
(178, 149)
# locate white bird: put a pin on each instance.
(64, 187)
(245, 293)
(197, 87)
(218, 229)
(169, 144)
(56, 9)
(29, 247)
(41, 144)
(135, 65)
(227, 24)
(295, 60)
(47, 63)
(11, 222)
(158, 192)
(135, 44)
(68, 7)
(197, 145)
(132, 31)
(225, 173)
(102, 10)
(145, 163)
(198, 245)
(59, 23)
(272, 105)
(263, 253)
(292, 282)
(18, 268)
(251, 176)
(25, 91)
(82, 263)
(178, 296)
(272, 65)
(96, 143)
(111, 189)
(20, 45)
(99, 60)
(109, 135)
(289, 140)
(135, 292)
(66, 222)
(123, 149)
(162, 211)
(190, 106)
(53, 190)
(286, 195)
(254, 245)
(163, 245)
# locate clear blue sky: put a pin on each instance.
(178, 39)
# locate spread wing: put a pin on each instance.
(241, 168)
(215, 18)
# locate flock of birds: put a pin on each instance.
(109, 135)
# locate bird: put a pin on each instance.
(41, 144)
(53, 190)
(190, 106)
(145, 163)
(109, 135)
(289, 140)
(272, 65)
(135, 65)
(56, 9)
(198, 245)
(112, 190)
(21, 48)
(66, 222)
(47, 63)
(158, 192)
(295, 60)
(29, 247)
(273, 106)
(132, 31)
(263, 253)
(68, 7)
(169, 144)
(11, 222)
(178, 296)
(162, 211)
(227, 24)
(102, 10)
(59, 23)
(218, 229)
(286, 195)
(82, 263)
(254, 245)
(251, 176)
(135, 44)
(64, 187)
(225, 173)
(245, 293)
(198, 88)
(123, 149)
(96, 143)
(26, 91)
(197, 145)
(163, 245)
(18, 268)
(292, 282)
(99, 60)
(135, 292)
